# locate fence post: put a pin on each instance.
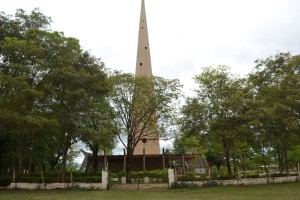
(171, 176)
(163, 158)
(298, 171)
(123, 180)
(104, 179)
(144, 160)
(183, 163)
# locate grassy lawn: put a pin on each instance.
(286, 191)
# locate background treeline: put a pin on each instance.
(246, 122)
(53, 95)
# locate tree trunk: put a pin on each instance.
(285, 154)
(245, 172)
(64, 163)
(298, 171)
(64, 159)
(30, 169)
(20, 167)
(266, 168)
(227, 161)
(31, 161)
(227, 157)
(129, 164)
(1, 167)
(42, 175)
(95, 157)
(280, 160)
(238, 171)
(53, 163)
(264, 161)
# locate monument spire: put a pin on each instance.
(143, 60)
(149, 146)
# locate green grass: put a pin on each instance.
(286, 191)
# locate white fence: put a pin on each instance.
(246, 181)
(104, 184)
(49, 186)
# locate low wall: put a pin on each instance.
(247, 181)
(257, 181)
(50, 186)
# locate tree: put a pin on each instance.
(216, 113)
(47, 84)
(21, 74)
(98, 130)
(142, 107)
(294, 157)
(96, 121)
(275, 115)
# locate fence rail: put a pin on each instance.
(140, 186)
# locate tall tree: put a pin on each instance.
(142, 106)
(47, 83)
(275, 87)
(21, 72)
(216, 113)
(96, 120)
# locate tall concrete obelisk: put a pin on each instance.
(143, 68)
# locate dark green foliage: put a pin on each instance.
(253, 176)
(155, 176)
(211, 184)
(52, 94)
(248, 122)
(184, 185)
(74, 187)
(5, 181)
(191, 176)
(143, 106)
(52, 177)
(159, 174)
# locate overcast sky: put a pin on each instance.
(185, 35)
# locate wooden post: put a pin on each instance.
(14, 175)
(105, 161)
(298, 171)
(183, 163)
(71, 176)
(238, 171)
(124, 160)
(42, 175)
(171, 176)
(14, 170)
(104, 181)
(163, 158)
(144, 160)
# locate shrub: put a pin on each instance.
(157, 176)
(184, 185)
(253, 176)
(52, 177)
(278, 174)
(192, 176)
(211, 184)
(5, 181)
(121, 174)
(73, 187)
